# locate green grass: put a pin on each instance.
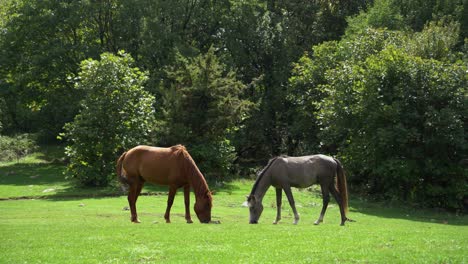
(55, 229)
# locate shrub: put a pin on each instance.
(14, 148)
(400, 121)
(115, 115)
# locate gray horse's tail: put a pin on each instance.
(342, 186)
(122, 178)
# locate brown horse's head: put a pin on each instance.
(203, 207)
(255, 207)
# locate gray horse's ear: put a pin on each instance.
(250, 200)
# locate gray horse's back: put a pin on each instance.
(304, 171)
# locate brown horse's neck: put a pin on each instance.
(195, 177)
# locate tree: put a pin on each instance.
(402, 119)
(397, 120)
(201, 108)
(41, 43)
(116, 114)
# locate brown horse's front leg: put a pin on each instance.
(187, 204)
(170, 201)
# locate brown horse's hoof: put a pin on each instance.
(136, 221)
(168, 221)
(189, 221)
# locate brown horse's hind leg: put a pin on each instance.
(134, 191)
(339, 201)
(326, 200)
(187, 204)
(170, 201)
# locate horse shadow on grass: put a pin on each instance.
(396, 210)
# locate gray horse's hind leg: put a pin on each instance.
(287, 190)
(326, 200)
(279, 193)
(339, 201)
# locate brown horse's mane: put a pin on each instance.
(195, 177)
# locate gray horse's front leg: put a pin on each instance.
(287, 190)
(278, 205)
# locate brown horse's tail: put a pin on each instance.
(342, 186)
(122, 178)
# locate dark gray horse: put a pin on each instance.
(285, 172)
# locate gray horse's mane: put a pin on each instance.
(262, 172)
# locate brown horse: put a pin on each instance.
(165, 166)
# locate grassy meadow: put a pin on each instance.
(44, 219)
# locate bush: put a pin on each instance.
(14, 148)
(401, 124)
(395, 116)
(115, 115)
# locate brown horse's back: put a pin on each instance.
(155, 165)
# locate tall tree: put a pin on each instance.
(202, 107)
(41, 44)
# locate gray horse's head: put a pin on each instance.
(255, 207)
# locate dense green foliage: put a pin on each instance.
(381, 84)
(116, 114)
(393, 110)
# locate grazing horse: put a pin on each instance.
(285, 172)
(165, 166)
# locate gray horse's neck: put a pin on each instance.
(263, 181)
(262, 187)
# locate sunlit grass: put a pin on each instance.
(99, 231)
(62, 227)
